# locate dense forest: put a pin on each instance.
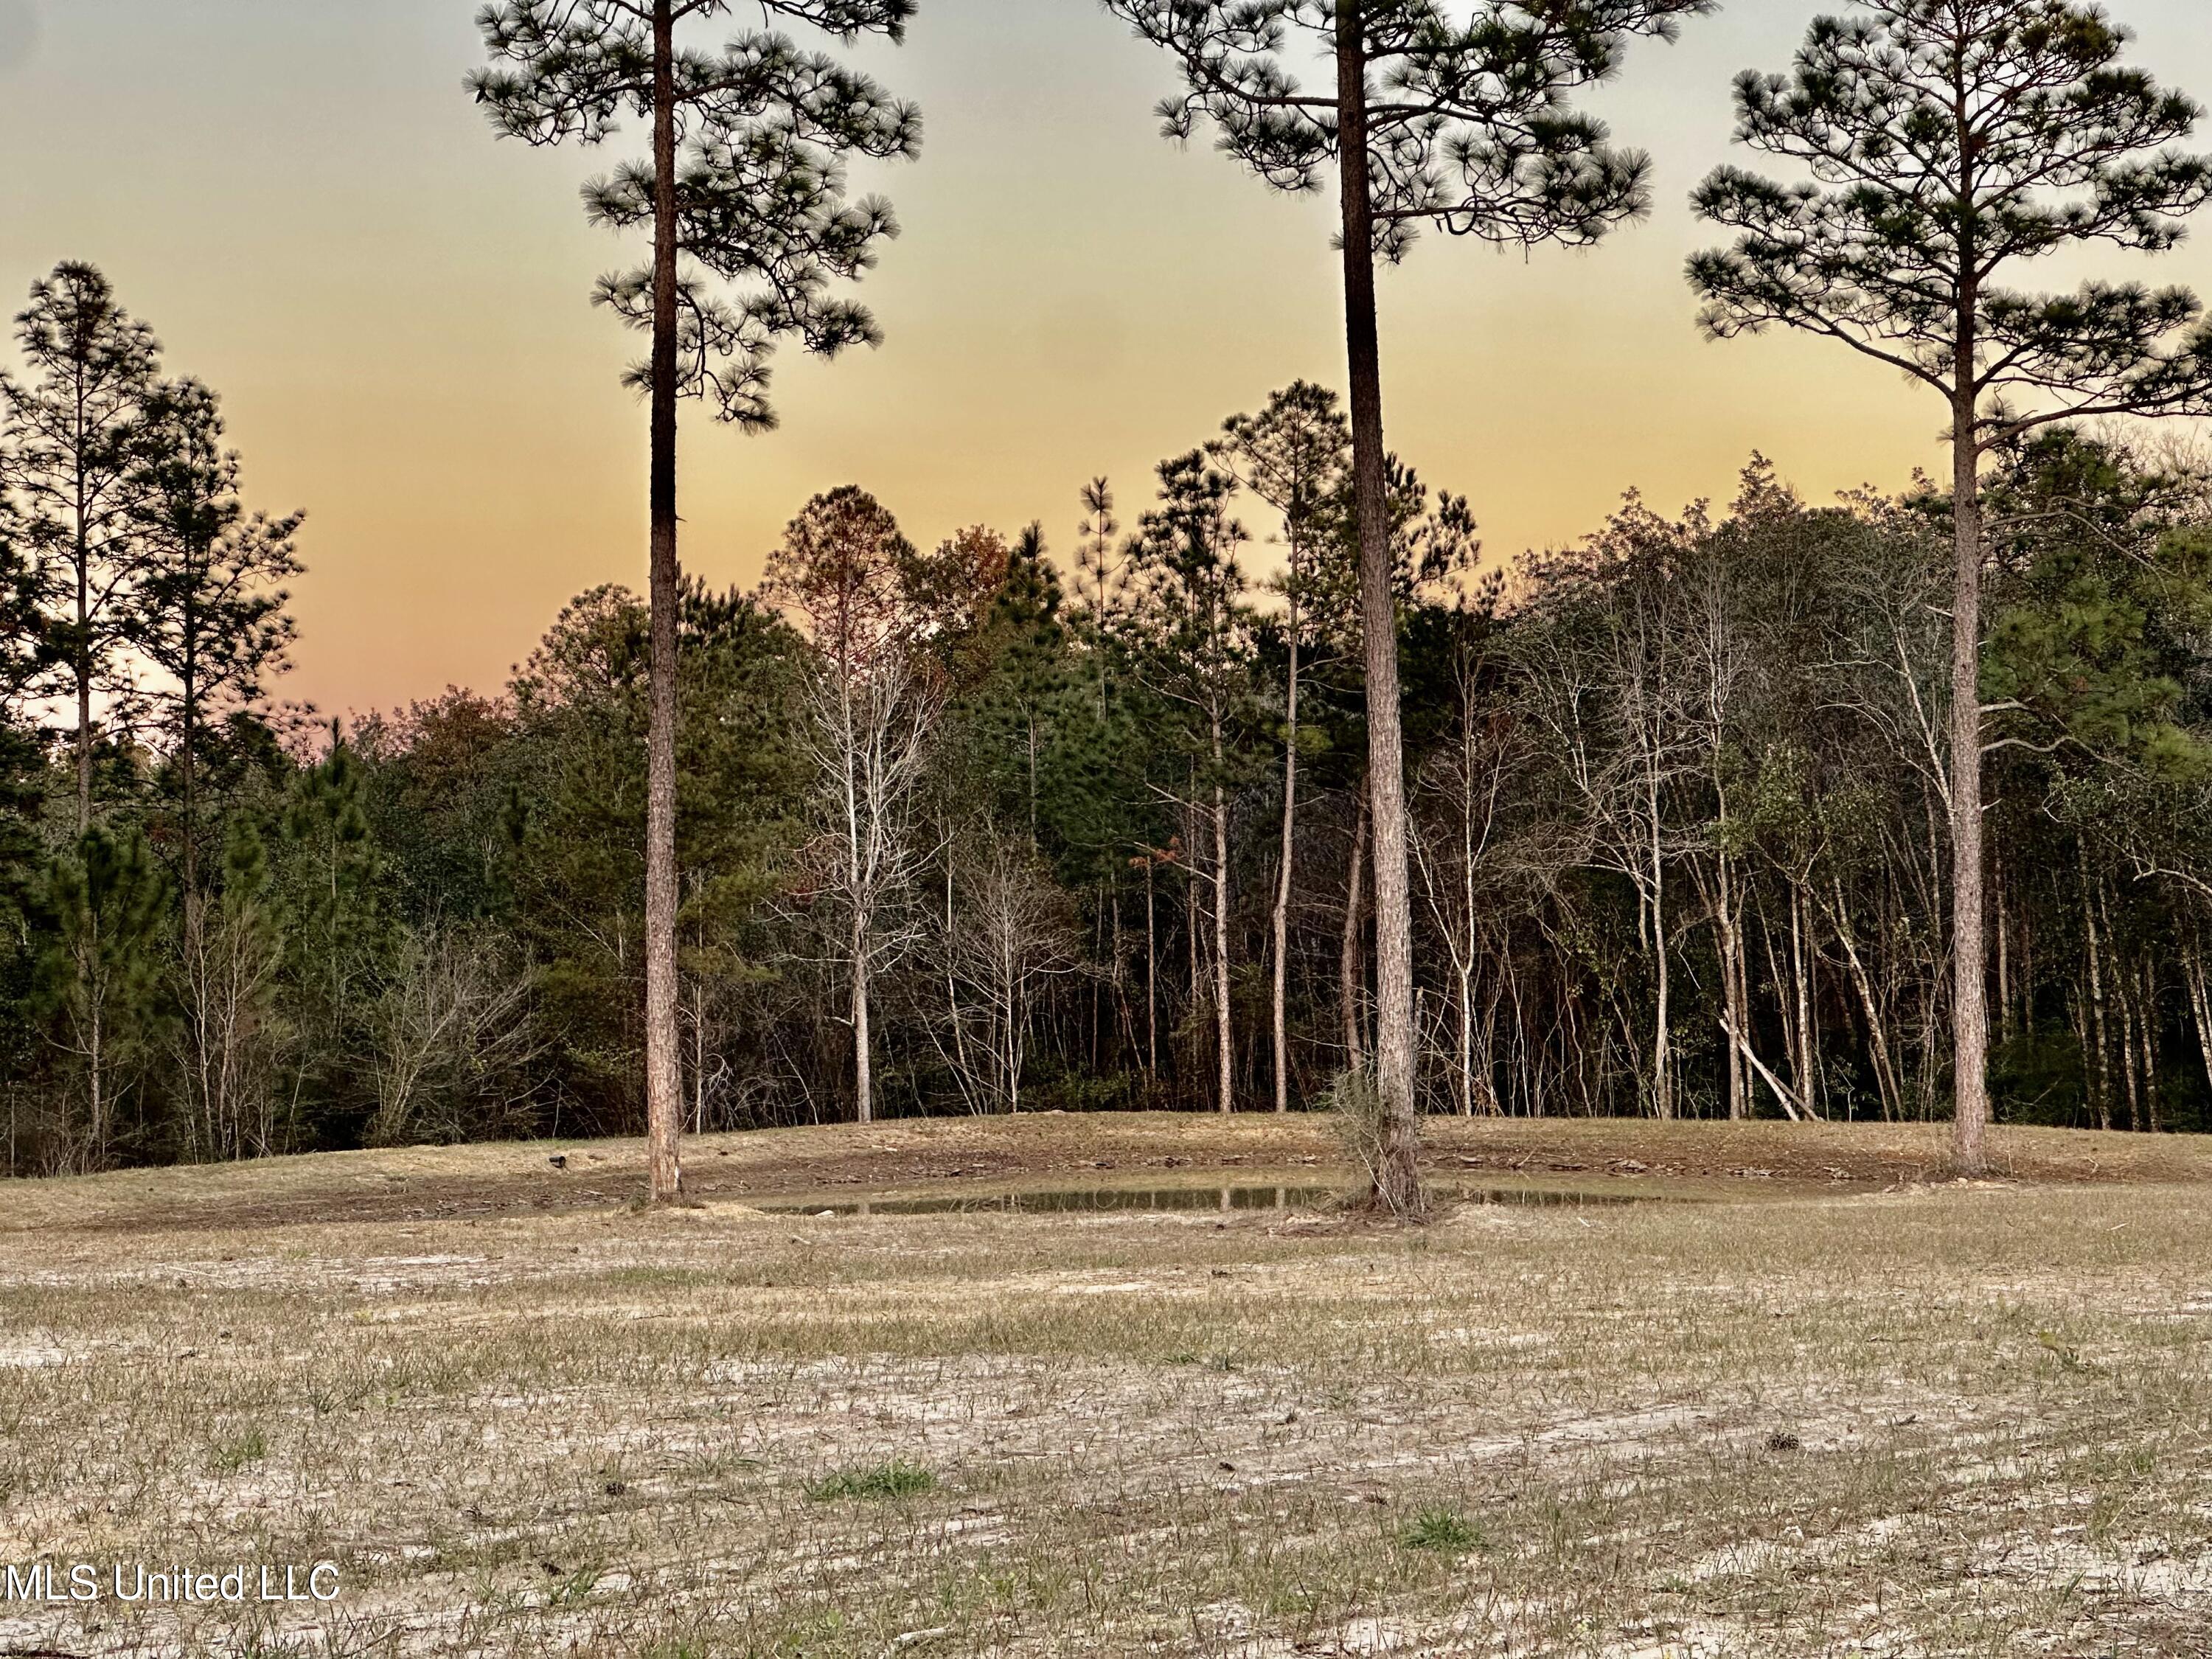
(1077, 818)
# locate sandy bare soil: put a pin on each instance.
(1830, 1409)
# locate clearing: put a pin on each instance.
(1834, 1405)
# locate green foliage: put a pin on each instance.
(762, 132)
(431, 926)
(235, 1452)
(2106, 607)
(1920, 204)
(1446, 1531)
(895, 1480)
(1478, 119)
(99, 982)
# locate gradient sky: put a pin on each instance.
(299, 197)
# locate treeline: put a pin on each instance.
(998, 827)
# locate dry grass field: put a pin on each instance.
(1807, 1400)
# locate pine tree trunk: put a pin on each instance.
(1663, 1038)
(83, 667)
(187, 743)
(1397, 1179)
(1969, 957)
(664, 1094)
(1283, 884)
(81, 656)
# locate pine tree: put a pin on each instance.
(1026, 646)
(747, 184)
(1294, 455)
(1196, 655)
(336, 922)
(21, 658)
(1464, 126)
(69, 450)
(208, 610)
(1949, 142)
(100, 978)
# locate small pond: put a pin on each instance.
(1238, 1192)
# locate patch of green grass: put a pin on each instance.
(576, 1588)
(239, 1451)
(897, 1479)
(1446, 1531)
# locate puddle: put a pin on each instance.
(1227, 1197)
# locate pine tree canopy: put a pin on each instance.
(1945, 140)
(1469, 125)
(763, 129)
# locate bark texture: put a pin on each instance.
(1397, 1182)
(663, 1084)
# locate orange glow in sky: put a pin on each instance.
(301, 199)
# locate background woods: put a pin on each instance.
(983, 829)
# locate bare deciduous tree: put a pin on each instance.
(873, 700)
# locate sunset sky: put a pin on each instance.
(299, 197)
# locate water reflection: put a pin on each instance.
(1228, 1197)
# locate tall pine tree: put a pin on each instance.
(69, 451)
(209, 609)
(747, 185)
(1464, 126)
(1948, 143)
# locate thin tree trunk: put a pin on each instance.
(2125, 996)
(1885, 1072)
(1998, 911)
(1351, 971)
(864, 1080)
(2101, 1073)
(81, 660)
(1724, 922)
(664, 1095)
(1224, 1033)
(1125, 1025)
(1193, 934)
(953, 991)
(1283, 882)
(2200, 1004)
(2146, 992)
(698, 1060)
(2123, 1000)
(1397, 1178)
(1806, 1062)
(1790, 1104)
(1152, 971)
(1470, 952)
(1662, 1040)
(1466, 1041)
